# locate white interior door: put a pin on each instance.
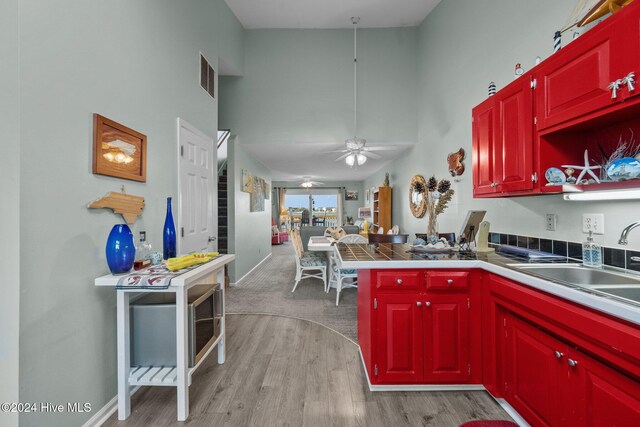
(198, 197)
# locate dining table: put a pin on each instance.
(324, 244)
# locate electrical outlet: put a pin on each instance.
(593, 223)
(551, 221)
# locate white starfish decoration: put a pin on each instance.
(587, 168)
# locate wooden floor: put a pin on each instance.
(288, 372)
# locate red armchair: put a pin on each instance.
(278, 237)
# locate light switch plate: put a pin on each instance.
(593, 222)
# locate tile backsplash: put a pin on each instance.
(613, 257)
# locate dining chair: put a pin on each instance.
(307, 266)
(338, 275)
(334, 231)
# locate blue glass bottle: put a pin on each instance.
(120, 249)
(169, 234)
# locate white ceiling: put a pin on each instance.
(254, 14)
(290, 162)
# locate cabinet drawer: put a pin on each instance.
(447, 280)
(399, 280)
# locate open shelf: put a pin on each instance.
(153, 375)
(603, 186)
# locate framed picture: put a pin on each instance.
(247, 181)
(351, 195)
(118, 151)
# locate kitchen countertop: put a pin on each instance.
(396, 256)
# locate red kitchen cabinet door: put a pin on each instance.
(576, 80)
(599, 395)
(399, 348)
(484, 141)
(534, 373)
(514, 148)
(446, 338)
(631, 20)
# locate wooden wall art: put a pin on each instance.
(118, 151)
(456, 167)
(130, 207)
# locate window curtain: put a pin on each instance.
(282, 208)
(341, 212)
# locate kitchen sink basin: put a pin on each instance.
(578, 275)
(627, 292)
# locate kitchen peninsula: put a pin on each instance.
(557, 354)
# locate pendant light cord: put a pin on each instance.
(355, 21)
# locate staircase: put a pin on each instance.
(223, 222)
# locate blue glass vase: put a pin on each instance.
(120, 249)
(169, 234)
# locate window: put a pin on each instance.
(313, 207)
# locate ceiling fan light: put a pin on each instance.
(362, 159)
(350, 159)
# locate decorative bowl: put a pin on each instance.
(624, 169)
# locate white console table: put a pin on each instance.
(180, 375)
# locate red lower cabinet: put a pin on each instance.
(601, 396)
(446, 339)
(533, 373)
(551, 384)
(399, 345)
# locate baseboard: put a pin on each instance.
(512, 412)
(462, 387)
(106, 411)
(418, 387)
(237, 282)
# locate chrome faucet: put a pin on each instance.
(625, 232)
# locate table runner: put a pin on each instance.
(154, 277)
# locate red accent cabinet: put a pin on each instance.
(414, 326)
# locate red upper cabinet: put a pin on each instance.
(514, 148)
(484, 140)
(578, 79)
(503, 141)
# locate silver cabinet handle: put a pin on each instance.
(494, 184)
(572, 363)
(558, 354)
(450, 281)
(418, 303)
(634, 258)
(399, 281)
(614, 87)
(629, 80)
(428, 304)
(212, 238)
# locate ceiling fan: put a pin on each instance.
(307, 183)
(356, 152)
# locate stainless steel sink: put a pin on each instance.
(578, 275)
(629, 292)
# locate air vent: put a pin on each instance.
(207, 77)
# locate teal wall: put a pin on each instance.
(298, 87)
(463, 45)
(250, 232)
(9, 213)
(136, 63)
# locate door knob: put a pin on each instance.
(399, 281)
(428, 304)
(572, 363)
(418, 303)
(212, 239)
(558, 354)
(450, 281)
